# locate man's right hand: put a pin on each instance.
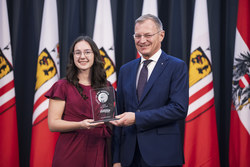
(117, 165)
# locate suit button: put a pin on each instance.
(138, 111)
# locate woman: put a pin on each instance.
(81, 143)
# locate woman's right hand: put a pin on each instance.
(89, 124)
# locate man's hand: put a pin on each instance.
(125, 119)
(117, 165)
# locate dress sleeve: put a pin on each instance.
(58, 90)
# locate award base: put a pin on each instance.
(105, 120)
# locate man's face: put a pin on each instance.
(148, 38)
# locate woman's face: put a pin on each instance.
(83, 56)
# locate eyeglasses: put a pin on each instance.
(78, 53)
(147, 36)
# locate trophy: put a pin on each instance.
(103, 104)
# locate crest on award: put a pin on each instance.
(103, 96)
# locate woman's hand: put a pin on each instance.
(89, 124)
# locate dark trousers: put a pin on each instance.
(139, 162)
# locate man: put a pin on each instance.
(149, 133)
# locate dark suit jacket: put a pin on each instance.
(163, 105)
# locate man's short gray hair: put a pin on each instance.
(155, 19)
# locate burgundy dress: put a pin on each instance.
(79, 148)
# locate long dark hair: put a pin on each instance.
(98, 74)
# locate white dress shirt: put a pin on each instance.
(150, 66)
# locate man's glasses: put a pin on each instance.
(147, 36)
(78, 53)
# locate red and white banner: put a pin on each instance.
(149, 7)
(43, 141)
(104, 38)
(9, 151)
(201, 139)
(239, 142)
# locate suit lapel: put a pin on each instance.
(159, 67)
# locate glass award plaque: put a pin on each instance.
(103, 104)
